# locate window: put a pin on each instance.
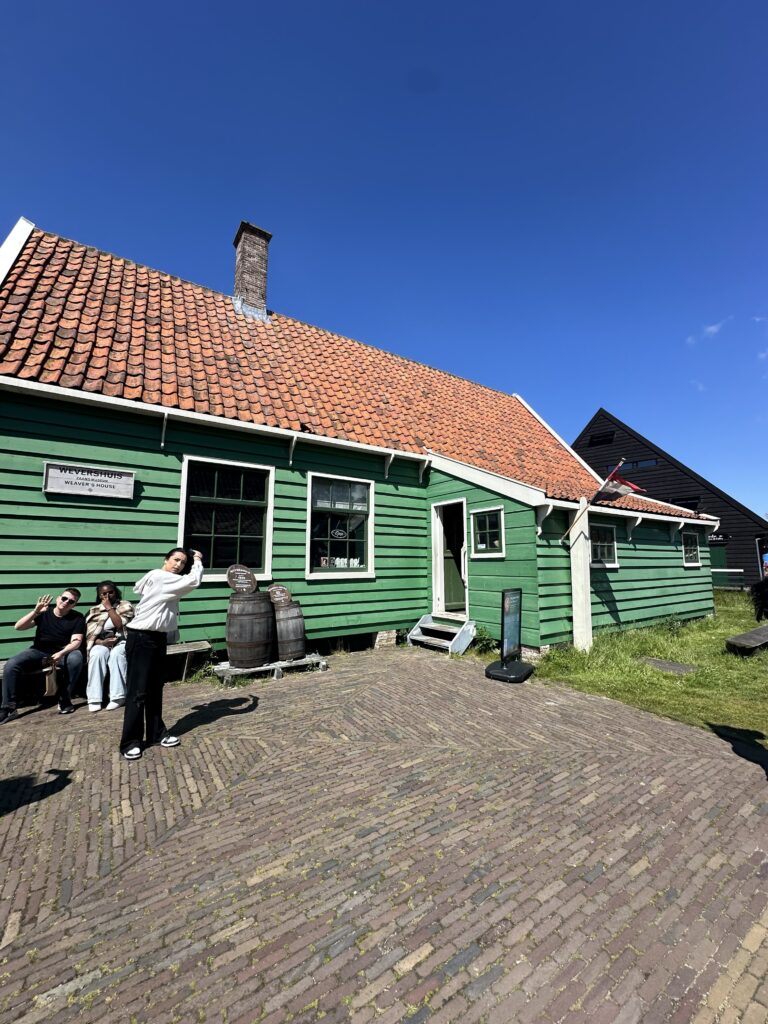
(340, 526)
(691, 504)
(691, 549)
(637, 464)
(603, 541)
(227, 514)
(598, 440)
(488, 533)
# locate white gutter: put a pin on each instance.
(196, 418)
(12, 246)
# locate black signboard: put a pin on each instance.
(511, 602)
(510, 669)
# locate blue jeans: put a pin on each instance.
(32, 660)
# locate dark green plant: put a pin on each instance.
(484, 643)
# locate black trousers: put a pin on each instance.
(145, 678)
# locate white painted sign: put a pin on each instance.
(96, 481)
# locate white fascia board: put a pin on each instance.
(194, 418)
(625, 513)
(12, 246)
(559, 439)
(491, 481)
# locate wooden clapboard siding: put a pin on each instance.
(554, 565)
(488, 577)
(651, 582)
(50, 541)
(670, 480)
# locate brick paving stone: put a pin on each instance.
(396, 839)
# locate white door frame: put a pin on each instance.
(438, 554)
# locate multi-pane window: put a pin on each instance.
(603, 541)
(226, 514)
(487, 533)
(691, 549)
(339, 525)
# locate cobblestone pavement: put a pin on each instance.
(397, 839)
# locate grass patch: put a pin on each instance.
(724, 689)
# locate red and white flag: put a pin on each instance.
(614, 486)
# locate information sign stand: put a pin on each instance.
(510, 669)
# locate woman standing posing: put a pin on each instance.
(146, 649)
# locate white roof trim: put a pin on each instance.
(524, 493)
(625, 513)
(12, 246)
(557, 437)
(127, 405)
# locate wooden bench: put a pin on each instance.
(191, 647)
(747, 644)
(187, 649)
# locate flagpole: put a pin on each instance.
(582, 511)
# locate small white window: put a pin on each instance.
(339, 527)
(691, 554)
(603, 541)
(487, 532)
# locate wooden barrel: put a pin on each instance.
(250, 630)
(289, 623)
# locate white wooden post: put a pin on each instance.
(581, 601)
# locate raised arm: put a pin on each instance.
(28, 620)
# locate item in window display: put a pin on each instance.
(339, 534)
(241, 579)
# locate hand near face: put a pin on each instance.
(42, 603)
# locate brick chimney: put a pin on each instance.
(251, 250)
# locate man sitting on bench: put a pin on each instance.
(58, 637)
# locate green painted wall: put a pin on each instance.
(651, 582)
(554, 565)
(50, 541)
(488, 577)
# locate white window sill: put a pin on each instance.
(365, 575)
(604, 565)
(221, 577)
(497, 555)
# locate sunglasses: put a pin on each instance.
(68, 600)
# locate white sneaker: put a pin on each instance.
(114, 705)
(94, 707)
(132, 754)
(170, 741)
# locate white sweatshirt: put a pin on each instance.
(160, 592)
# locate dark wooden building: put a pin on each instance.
(741, 541)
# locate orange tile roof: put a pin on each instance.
(78, 318)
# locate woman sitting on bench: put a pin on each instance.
(105, 632)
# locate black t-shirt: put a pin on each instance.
(54, 632)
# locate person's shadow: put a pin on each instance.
(744, 743)
(20, 791)
(204, 714)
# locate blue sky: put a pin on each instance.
(563, 200)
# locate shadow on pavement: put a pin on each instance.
(744, 743)
(20, 791)
(203, 714)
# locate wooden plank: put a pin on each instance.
(747, 644)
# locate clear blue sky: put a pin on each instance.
(566, 200)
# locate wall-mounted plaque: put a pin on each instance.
(95, 481)
(241, 579)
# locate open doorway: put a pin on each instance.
(449, 557)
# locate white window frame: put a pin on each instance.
(487, 554)
(695, 536)
(220, 577)
(604, 565)
(365, 574)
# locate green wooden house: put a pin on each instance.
(139, 411)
